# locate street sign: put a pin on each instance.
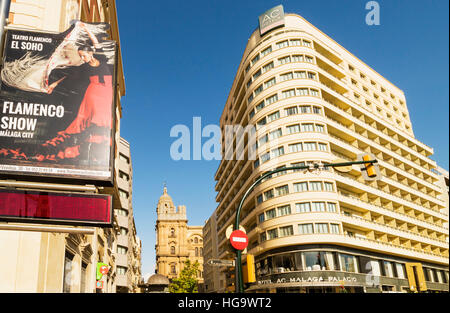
(99, 284)
(104, 269)
(220, 262)
(239, 240)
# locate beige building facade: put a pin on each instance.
(312, 101)
(176, 241)
(53, 258)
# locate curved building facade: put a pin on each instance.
(312, 101)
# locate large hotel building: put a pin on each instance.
(311, 100)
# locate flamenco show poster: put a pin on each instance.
(57, 99)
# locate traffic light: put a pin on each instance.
(248, 270)
(370, 171)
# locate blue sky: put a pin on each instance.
(180, 58)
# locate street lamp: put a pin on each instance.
(368, 165)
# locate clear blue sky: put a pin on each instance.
(180, 58)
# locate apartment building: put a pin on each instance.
(312, 101)
(56, 258)
(128, 249)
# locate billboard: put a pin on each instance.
(57, 103)
(271, 19)
(55, 208)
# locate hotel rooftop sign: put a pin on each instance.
(271, 19)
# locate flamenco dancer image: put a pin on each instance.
(87, 139)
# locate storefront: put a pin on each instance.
(334, 269)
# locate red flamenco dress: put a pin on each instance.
(88, 137)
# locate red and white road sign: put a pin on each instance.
(104, 270)
(239, 240)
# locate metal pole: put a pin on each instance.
(239, 285)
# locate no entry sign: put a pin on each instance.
(239, 240)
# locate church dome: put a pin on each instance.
(165, 198)
(158, 279)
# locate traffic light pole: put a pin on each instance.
(239, 282)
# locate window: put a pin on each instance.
(317, 110)
(196, 251)
(121, 270)
(292, 129)
(304, 229)
(266, 51)
(286, 231)
(314, 92)
(257, 74)
(250, 98)
(306, 43)
(388, 269)
(262, 237)
(300, 187)
(272, 99)
(328, 186)
(332, 207)
(275, 134)
(123, 231)
(305, 109)
(261, 122)
(256, 163)
(334, 228)
(286, 76)
(348, 263)
(261, 218)
(270, 83)
(320, 129)
(319, 260)
(259, 106)
(291, 111)
(195, 240)
(310, 146)
(274, 116)
(296, 42)
(272, 233)
(303, 207)
(311, 75)
(262, 140)
(302, 91)
(318, 207)
(249, 83)
(322, 228)
(284, 210)
(296, 147)
(67, 279)
(172, 250)
(123, 194)
(300, 74)
(255, 59)
(268, 194)
(299, 164)
(288, 93)
(307, 127)
(124, 176)
(173, 269)
(121, 250)
(309, 59)
(282, 191)
(121, 212)
(298, 58)
(316, 186)
(282, 44)
(277, 152)
(247, 69)
(265, 157)
(259, 199)
(124, 158)
(400, 268)
(267, 67)
(258, 90)
(284, 60)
